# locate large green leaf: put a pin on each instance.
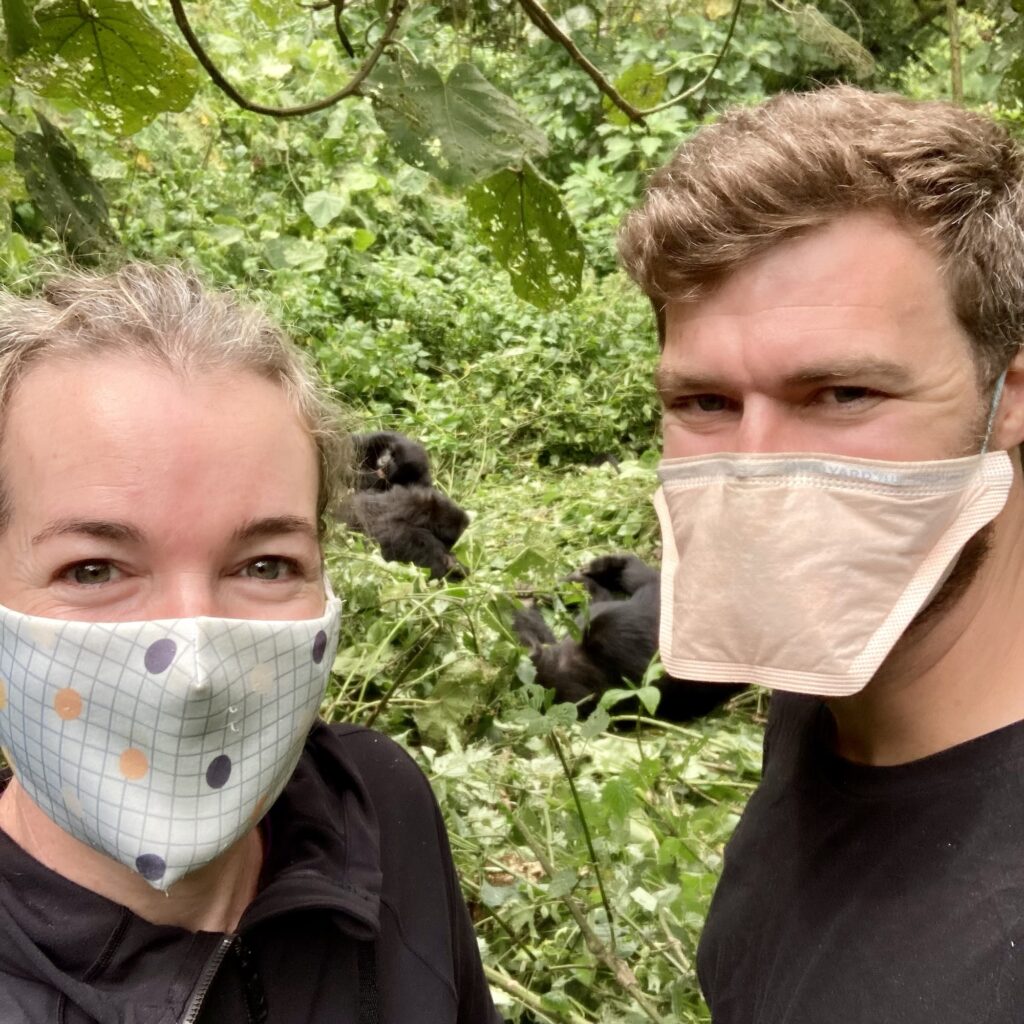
(20, 26)
(107, 55)
(64, 192)
(521, 219)
(461, 130)
(640, 85)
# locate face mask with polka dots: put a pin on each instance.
(160, 743)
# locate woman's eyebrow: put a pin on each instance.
(275, 526)
(101, 528)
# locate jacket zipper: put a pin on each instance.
(206, 980)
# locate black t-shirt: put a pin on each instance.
(860, 895)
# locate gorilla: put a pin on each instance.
(412, 524)
(618, 638)
(397, 505)
(386, 459)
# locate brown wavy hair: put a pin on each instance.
(764, 174)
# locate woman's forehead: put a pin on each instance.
(118, 434)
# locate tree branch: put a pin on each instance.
(350, 89)
(549, 27)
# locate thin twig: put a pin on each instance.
(423, 644)
(499, 979)
(350, 89)
(550, 28)
(618, 967)
(339, 9)
(956, 74)
(586, 835)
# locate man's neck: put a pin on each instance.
(210, 899)
(959, 678)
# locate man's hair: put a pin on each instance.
(765, 174)
(166, 316)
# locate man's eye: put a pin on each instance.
(270, 568)
(849, 394)
(90, 574)
(701, 403)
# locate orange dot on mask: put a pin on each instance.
(134, 764)
(68, 703)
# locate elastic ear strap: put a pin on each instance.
(993, 409)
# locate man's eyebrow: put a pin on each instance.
(272, 526)
(669, 381)
(874, 370)
(103, 529)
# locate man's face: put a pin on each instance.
(138, 493)
(840, 342)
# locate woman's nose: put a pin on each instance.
(184, 595)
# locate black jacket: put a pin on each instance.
(358, 919)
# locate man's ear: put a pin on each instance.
(1008, 428)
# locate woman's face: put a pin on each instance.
(139, 493)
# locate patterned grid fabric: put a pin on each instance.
(160, 743)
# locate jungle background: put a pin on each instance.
(426, 192)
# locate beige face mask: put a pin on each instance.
(800, 572)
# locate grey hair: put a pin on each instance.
(166, 315)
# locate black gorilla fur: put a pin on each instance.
(397, 506)
(386, 459)
(618, 638)
(411, 524)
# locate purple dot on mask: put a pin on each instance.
(319, 646)
(150, 866)
(160, 654)
(219, 771)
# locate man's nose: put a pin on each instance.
(765, 427)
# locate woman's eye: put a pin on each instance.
(270, 568)
(90, 574)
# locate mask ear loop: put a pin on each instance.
(993, 409)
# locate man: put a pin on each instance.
(839, 284)
(182, 840)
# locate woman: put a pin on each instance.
(181, 838)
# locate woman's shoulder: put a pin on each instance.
(382, 764)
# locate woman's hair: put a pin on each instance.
(765, 174)
(164, 314)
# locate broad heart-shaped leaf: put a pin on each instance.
(640, 85)
(107, 55)
(323, 207)
(20, 26)
(520, 217)
(65, 193)
(461, 130)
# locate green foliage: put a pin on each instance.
(59, 183)
(520, 218)
(109, 56)
(459, 130)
